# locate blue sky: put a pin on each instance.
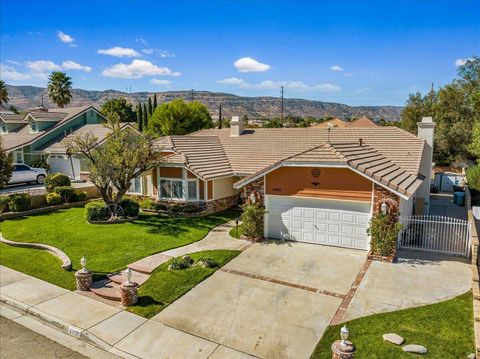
(353, 52)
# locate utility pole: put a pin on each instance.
(281, 108)
(220, 116)
(192, 94)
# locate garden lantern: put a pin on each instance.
(83, 263)
(128, 273)
(344, 332)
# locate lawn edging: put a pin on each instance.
(66, 261)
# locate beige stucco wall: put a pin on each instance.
(223, 187)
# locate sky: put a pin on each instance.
(353, 52)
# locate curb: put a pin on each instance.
(52, 321)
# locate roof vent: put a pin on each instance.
(360, 142)
(236, 126)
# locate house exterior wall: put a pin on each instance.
(406, 206)
(323, 182)
(382, 195)
(223, 187)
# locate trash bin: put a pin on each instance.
(455, 197)
(460, 198)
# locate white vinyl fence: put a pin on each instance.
(435, 234)
(476, 212)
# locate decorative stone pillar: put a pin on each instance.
(84, 279)
(128, 293)
(343, 351)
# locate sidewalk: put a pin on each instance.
(93, 328)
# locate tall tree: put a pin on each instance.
(179, 118)
(145, 117)
(59, 88)
(6, 166)
(3, 93)
(124, 155)
(220, 116)
(121, 107)
(150, 107)
(140, 117)
(154, 101)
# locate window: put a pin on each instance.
(17, 168)
(178, 189)
(136, 185)
(192, 190)
(33, 126)
(18, 156)
(3, 128)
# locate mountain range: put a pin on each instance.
(25, 97)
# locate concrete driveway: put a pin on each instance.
(273, 301)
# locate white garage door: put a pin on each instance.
(334, 223)
(62, 164)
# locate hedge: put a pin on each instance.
(53, 199)
(20, 202)
(66, 193)
(54, 180)
(96, 211)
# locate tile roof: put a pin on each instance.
(11, 117)
(336, 122)
(361, 122)
(47, 116)
(22, 136)
(388, 154)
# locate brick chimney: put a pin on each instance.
(236, 126)
(426, 131)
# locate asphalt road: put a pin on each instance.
(19, 342)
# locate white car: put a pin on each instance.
(23, 174)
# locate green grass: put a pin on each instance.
(164, 286)
(37, 263)
(445, 329)
(108, 247)
(233, 232)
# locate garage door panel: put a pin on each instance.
(335, 223)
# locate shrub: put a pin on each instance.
(252, 220)
(473, 177)
(178, 263)
(147, 203)
(20, 202)
(4, 202)
(161, 207)
(56, 180)
(384, 230)
(53, 199)
(207, 262)
(175, 208)
(79, 196)
(130, 207)
(190, 208)
(40, 164)
(96, 211)
(65, 192)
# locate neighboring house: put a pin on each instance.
(35, 137)
(336, 122)
(361, 122)
(317, 185)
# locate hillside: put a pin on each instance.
(255, 107)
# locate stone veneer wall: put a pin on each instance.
(210, 206)
(258, 187)
(381, 195)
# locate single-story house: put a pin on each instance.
(334, 122)
(35, 137)
(361, 122)
(317, 185)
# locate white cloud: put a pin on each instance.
(275, 85)
(8, 73)
(148, 51)
(160, 82)
(43, 66)
(65, 38)
(461, 62)
(247, 64)
(118, 51)
(159, 52)
(72, 65)
(137, 69)
(336, 68)
(142, 41)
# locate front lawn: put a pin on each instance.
(107, 247)
(164, 286)
(236, 234)
(445, 329)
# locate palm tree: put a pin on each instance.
(3, 93)
(59, 87)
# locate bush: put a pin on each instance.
(207, 262)
(252, 220)
(56, 180)
(20, 202)
(147, 203)
(96, 211)
(53, 199)
(130, 207)
(190, 208)
(175, 208)
(473, 177)
(178, 263)
(40, 164)
(4, 202)
(79, 196)
(161, 207)
(65, 192)
(384, 230)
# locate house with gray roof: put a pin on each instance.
(36, 136)
(318, 185)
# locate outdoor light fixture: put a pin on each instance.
(384, 208)
(344, 332)
(128, 273)
(83, 263)
(253, 198)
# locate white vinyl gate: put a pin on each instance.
(435, 234)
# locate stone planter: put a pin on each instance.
(128, 293)
(346, 351)
(387, 259)
(83, 279)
